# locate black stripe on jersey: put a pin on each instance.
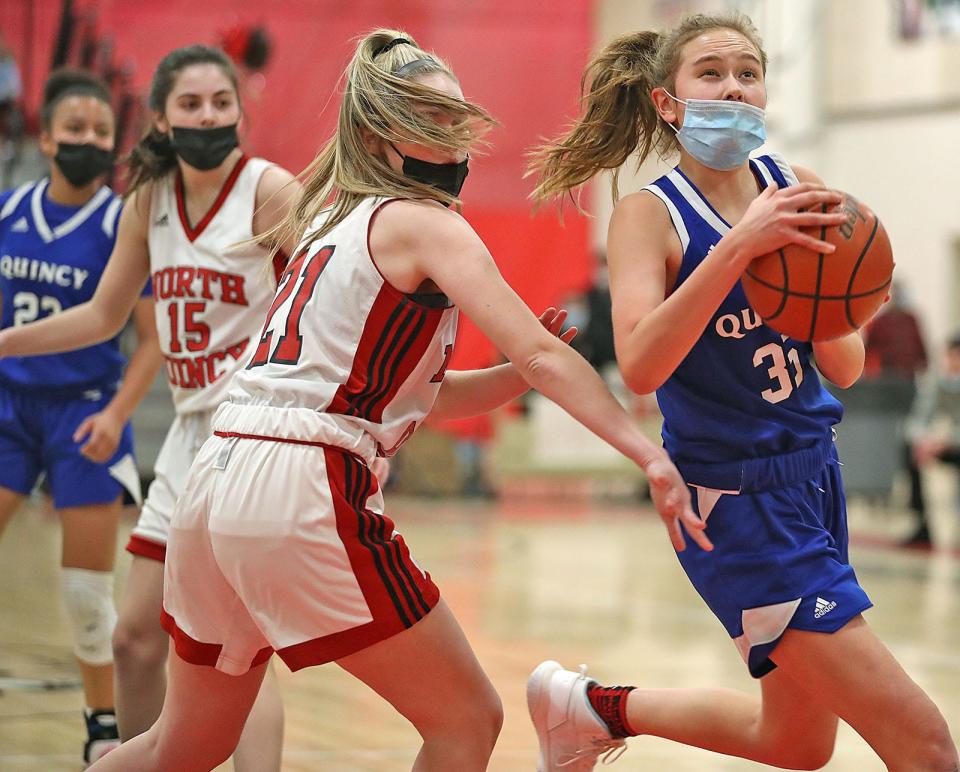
(391, 551)
(405, 315)
(392, 360)
(354, 399)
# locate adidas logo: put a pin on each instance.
(824, 607)
(162, 220)
(20, 226)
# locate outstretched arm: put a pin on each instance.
(103, 316)
(427, 242)
(467, 393)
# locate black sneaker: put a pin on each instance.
(102, 735)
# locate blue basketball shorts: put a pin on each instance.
(36, 435)
(780, 551)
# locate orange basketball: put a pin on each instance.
(812, 296)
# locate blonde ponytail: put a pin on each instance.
(381, 96)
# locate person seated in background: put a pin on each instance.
(937, 405)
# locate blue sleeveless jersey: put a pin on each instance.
(743, 391)
(51, 258)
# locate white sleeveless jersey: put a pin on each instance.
(344, 356)
(210, 296)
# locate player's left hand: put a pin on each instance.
(671, 497)
(553, 320)
(102, 432)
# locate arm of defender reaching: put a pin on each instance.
(466, 393)
(437, 244)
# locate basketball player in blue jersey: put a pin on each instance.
(67, 415)
(746, 420)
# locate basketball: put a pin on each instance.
(813, 296)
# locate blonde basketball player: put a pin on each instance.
(280, 542)
(194, 196)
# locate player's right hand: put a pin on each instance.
(671, 497)
(781, 216)
(102, 432)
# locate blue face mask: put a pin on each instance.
(720, 133)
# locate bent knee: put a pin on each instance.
(140, 644)
(809, 753)
(475, 723)
(938, 751)
(494, 717)
(483, 719)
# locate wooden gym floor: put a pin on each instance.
(529, 579)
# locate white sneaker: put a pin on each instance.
(572, 736)
(97, 749)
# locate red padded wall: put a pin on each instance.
(521, 60)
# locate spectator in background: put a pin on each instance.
(895, 352)
(595, 322)
(937, 402)
(11, 119)
(894, 343)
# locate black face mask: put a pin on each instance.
(204, 149)
(446, 177)
(82, 164)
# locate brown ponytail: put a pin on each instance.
(618, 111)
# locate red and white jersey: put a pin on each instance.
(210, 296)
(344, 357)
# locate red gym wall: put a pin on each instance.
(521, 60)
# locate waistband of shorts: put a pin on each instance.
(57, 392)
(752, 475)
(293, 424)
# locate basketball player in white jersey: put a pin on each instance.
(279, 543)
(194, 197)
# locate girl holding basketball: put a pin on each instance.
(746, 419)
